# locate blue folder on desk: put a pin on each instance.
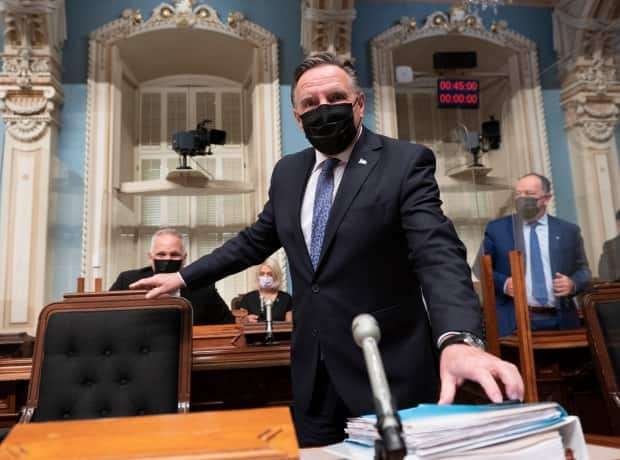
(431, 430)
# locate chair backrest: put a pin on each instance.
(234, 303)
(489, 304)
(527, 365)
(111, 355)
(602, 318)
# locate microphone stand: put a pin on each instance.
(391, 445)
(269, 337)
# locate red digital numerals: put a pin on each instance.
(458, 93)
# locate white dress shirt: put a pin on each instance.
(307, 206)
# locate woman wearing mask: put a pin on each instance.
(269, 279)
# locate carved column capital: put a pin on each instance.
(30, 88)
(326, 26)
(596, 116)
(28, 113)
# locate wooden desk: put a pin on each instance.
(249, 434)
(565, 373)
(552, 340)
(231, 369)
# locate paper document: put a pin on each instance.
(432, 431)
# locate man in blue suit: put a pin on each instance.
(556, 267)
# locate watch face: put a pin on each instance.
(474, 341)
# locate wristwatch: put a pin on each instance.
(466, 338)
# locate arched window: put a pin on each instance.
(137, 100)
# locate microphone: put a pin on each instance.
(269, 338)
(391, 446)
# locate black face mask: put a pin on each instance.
(527, 207)
(330, 127)
(167, 265)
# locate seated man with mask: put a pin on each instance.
(168, 255)
(556, 267)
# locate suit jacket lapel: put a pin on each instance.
(363, 159)
(555, 255)
(308, 159)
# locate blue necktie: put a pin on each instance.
(322, 205)
(539, 285)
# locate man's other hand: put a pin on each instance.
(158, 285)
(509, 288)
(563, 285)
(460, 362)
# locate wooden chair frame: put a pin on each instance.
(106, 301)
(598, 345)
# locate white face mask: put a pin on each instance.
(265, 282)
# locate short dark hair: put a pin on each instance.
(546, 183)
(325, 58)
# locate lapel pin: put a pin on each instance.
(362, 161)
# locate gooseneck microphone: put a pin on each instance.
(391, 446)
(269, 338)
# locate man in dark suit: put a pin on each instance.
(556, 266)
(167, 255)
(379, 248)
(609, 263)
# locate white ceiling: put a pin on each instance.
(176, 51)
(419, 54)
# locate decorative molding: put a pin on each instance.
(597, 118)
(25, 67)
(528, 110)
(327, 26)
(599, 131)
(457, 21)
(585, 36)
(105, 64)
(89, 151)
(30, 88)
(182, 14)
(30, 97)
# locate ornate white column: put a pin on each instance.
(30, 97)
(326, 26)
(590, 94)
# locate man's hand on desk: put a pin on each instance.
(460, 362)
(158, 285)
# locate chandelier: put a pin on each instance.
(473, 6)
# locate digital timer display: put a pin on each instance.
(458, 93)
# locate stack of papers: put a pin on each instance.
(433, 431)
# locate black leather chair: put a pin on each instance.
(110, 355)
(602, 318)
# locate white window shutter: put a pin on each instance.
(205, 108)
(231, 117)
(177, 207)
(232, 205)
(176, 114)
(151, 205)
(206, 206)
(150, 116)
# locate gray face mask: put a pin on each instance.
(527, 207)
